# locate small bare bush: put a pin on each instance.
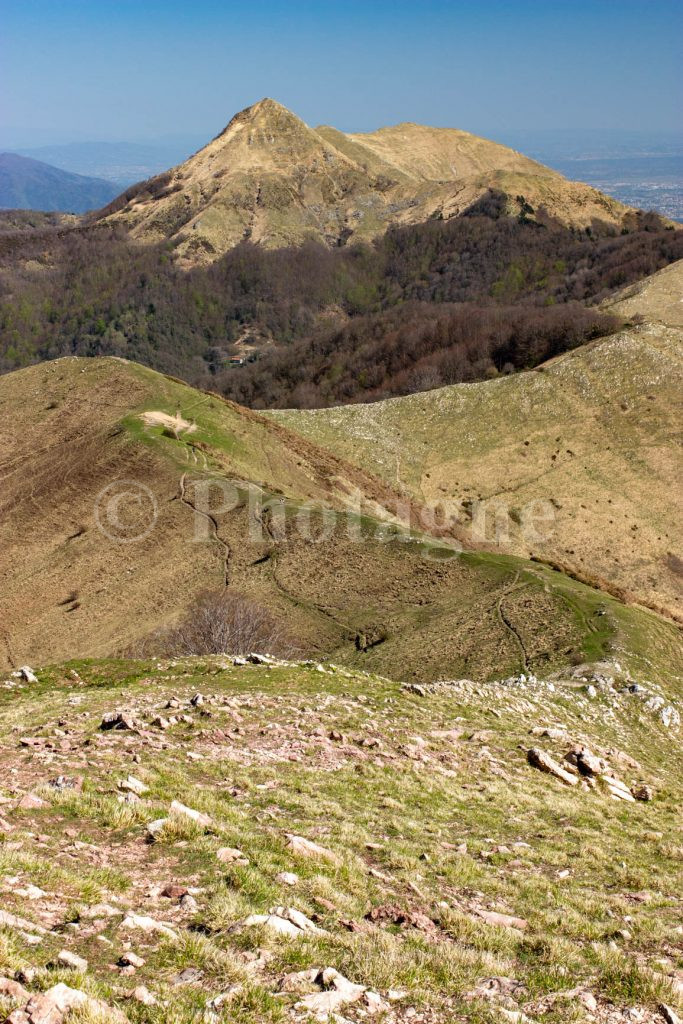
(223, 622)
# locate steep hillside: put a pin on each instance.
(592, 433)
(272, 179)
(280, 843)
(107, 531)
(27, 184)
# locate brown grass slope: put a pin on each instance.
(595, 432)
(271, 178)
(361, 590)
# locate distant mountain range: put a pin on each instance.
(122, 163)
(27, 184)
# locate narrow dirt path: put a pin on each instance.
(8, 647)
(509, 625)
(214, 525)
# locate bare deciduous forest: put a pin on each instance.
(432, 304)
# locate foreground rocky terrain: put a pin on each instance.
(250, 840)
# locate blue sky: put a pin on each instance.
(76, 70)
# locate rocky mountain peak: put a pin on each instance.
(265, 114)
(270, 178)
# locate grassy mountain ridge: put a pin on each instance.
(592, 431)
(74, 428)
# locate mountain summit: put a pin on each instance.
(271, 178)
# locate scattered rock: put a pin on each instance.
(586, 762)
(287, 878)
(284, 921)
(99, 910)
(53, 1006)
(68, 959)
(539, 759)
(31, 802)
(147, 924)
(221, 1000)
(155, 827)
(118, 720)
(502, 920)
(514, 1016)
(549, 732)
(188, 812)
(231, 855)
(617, 789)
(338, 991)
(306, 848)
(133, 785)
(10, 989)
(15, 923)
(130, 959)
(299, 981)
(142, 994)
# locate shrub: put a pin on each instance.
(223, 622)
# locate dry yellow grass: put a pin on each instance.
(82, 469)
(274, 180)
(594, 432)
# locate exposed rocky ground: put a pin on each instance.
(250, 840)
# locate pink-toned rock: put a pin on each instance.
(502, 920)
(539, 759)
(68, 959)
(31, 802)
(142, 994)
(14, 922)
(231, 855)
(180, 810)
(338, 991)
(53, 1006)
(307, 848)
(13, 990)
